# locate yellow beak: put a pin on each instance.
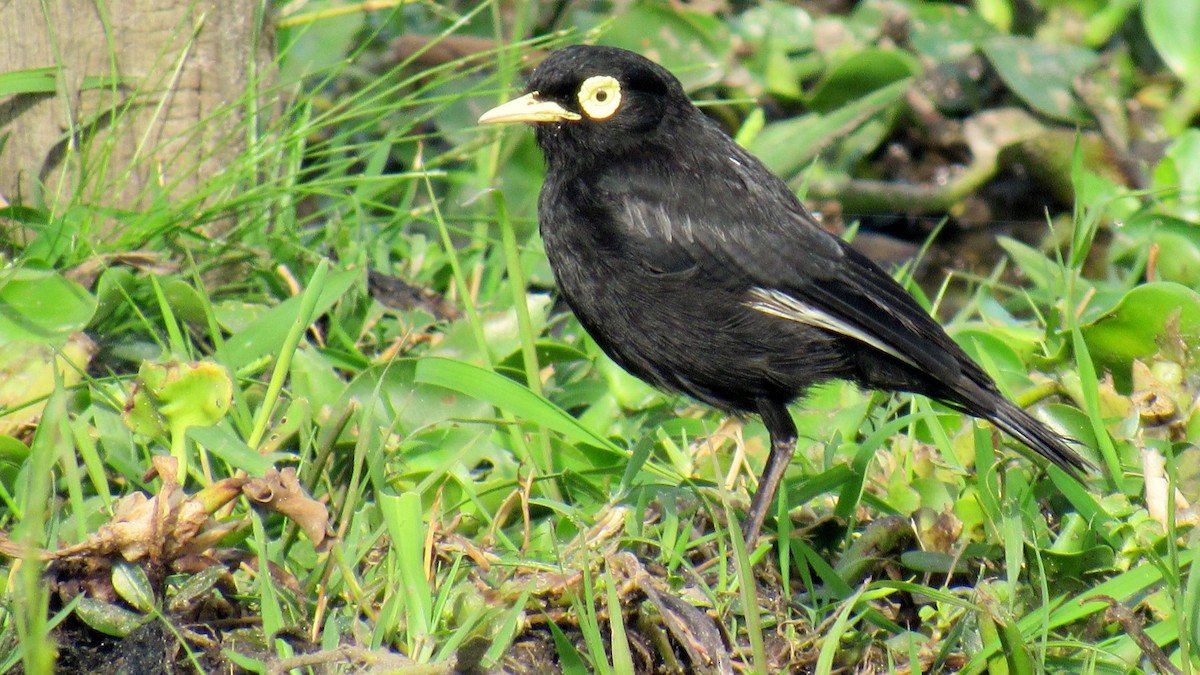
(528, 108)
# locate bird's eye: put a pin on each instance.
(600, 96)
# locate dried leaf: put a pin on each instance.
(281, 491)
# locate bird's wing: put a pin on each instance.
(741, 222)
(876, 309)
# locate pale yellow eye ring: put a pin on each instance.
(600, 96)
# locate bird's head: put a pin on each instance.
(586, 100)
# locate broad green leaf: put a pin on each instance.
(948, 33)
(133, 585)
(976, 341)
(934, 562)
(1179, 257)
(1148, 318)
(13, 450)
(501, 329)
(31, 370)
(693, 45)
(781, 35)
(114, 288)
(414, 404)
(1043, 75)
(313, 44)
(40, 305)
(507, 395)
(315, 379)
(109, 618)
(187, 394)
(186, 302)
(1042, 272)
(630, 392)
(1178, 175)
(229, 448)
(867, 71)
(777, 25)
(788, 146)
(998, 13)
(1173, 27)
(265, 334)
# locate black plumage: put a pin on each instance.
(697, 269)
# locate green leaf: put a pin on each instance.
(30, 371)
(1173, 27)
(788, 146)
(777, 26)
(998, 13)
(782, 36)
(13, 450)
(977, 341)
(30, 81)
(133, 585)
(507, 395)
(1177, 240)
(1147, 318)
(196, 586)
(622, 655)
(1178, 175)
(316, 45)
(1179, 257)
(694, 46)
(867, 71)
(187, 394)
(185, 301)
(266, 333)
(1041, 271)
(44, 81)
(948, 33)
(114, 287)
(108, 618)
(934, 562)
(41, 306)
(414, 404)
(569, 659)
(407, 525)
(231, 449)
(1043, 75)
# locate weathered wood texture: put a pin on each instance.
(176, 119)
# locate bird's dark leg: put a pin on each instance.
(783, 445)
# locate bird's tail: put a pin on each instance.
(1037, 436)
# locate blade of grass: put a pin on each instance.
(32, 604)
(273, 621)
(747, 592)
(510, 396)
(306, 314)
(569, 659)
(621, 655)
(831, 644)
(516, 279)
(404, 516)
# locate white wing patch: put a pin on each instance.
(780, 304)
(654, 222)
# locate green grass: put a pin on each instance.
(500, 493)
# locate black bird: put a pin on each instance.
(698, 270)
